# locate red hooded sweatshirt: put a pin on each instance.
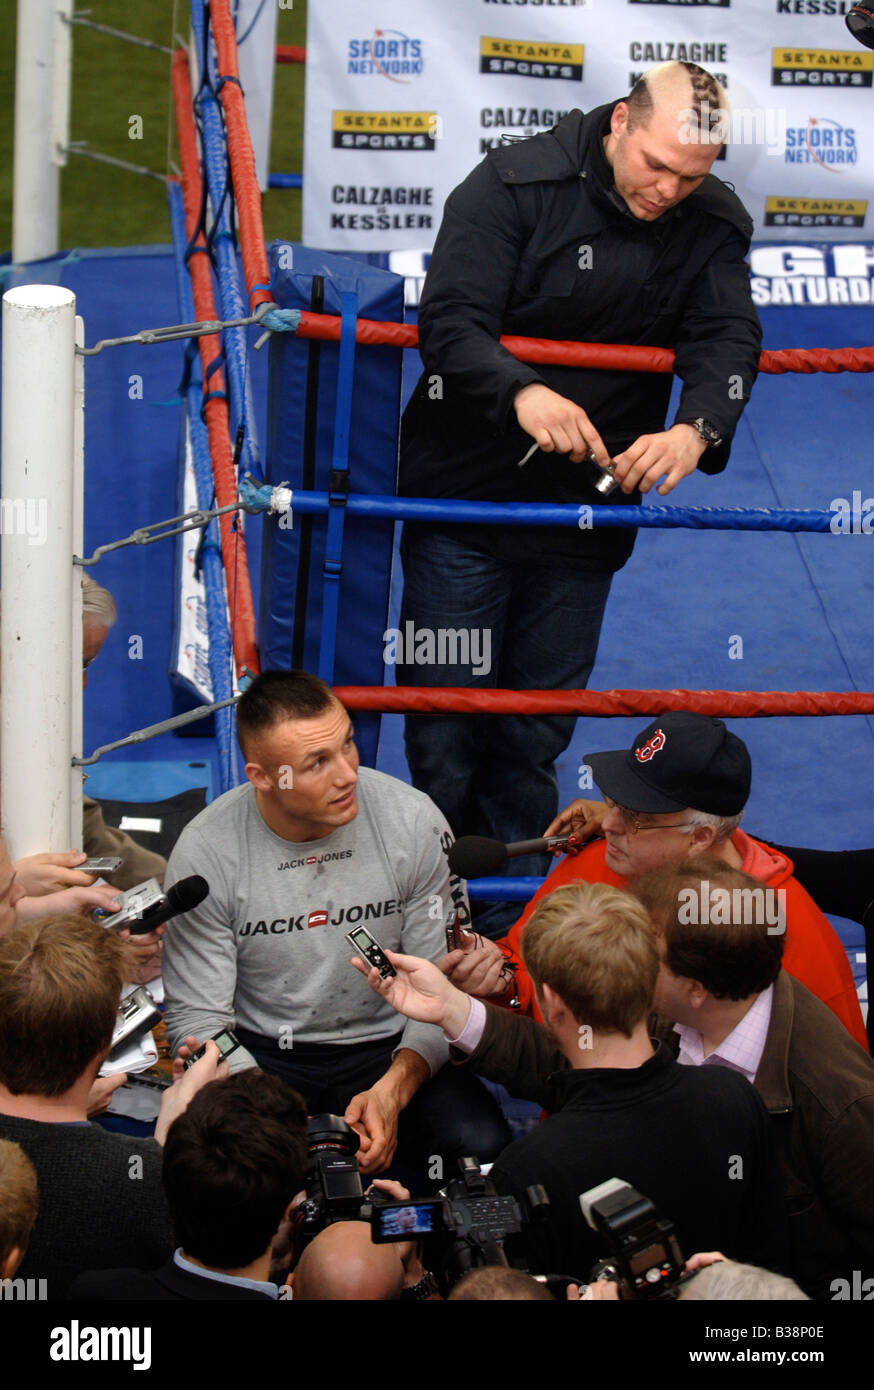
(812, 952)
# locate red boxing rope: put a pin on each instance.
(215, 411)
(290, 53)
(246, 191)
(607, 356)
(724, 704)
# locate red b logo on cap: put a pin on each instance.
(650, 748)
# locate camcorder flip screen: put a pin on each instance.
(406, 1220)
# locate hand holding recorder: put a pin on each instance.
(419, 990)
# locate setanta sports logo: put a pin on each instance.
(815, 212)
(387, 53)
(526, 58)
(650, 748)
(385, 130)
(821, 67)
(823, 142)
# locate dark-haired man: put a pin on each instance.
(308, 848)
(232, 1165)
(721, 985)
(608, 228)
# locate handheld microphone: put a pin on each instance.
(147, 906)
(473, 856)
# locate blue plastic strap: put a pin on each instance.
(338, 487)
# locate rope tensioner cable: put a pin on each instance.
(192, 521)
(152, 730)
(80, 147)
(80, 17)
(200, 329)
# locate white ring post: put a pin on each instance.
(42, 105)
(36, 517)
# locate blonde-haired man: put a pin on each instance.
(693, 1140)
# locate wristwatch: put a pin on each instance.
(426, 1288)
(709, 433)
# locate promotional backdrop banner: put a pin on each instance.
(404, 97)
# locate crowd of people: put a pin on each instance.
(673, 998)
(678, 1007)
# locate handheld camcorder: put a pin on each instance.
(465, 1225)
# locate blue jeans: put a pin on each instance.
(494, 774)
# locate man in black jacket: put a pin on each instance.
(609, 228)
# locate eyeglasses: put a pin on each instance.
(633, 824)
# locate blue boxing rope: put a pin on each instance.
(509, 890)
(216, 175)
(259, 497)
(220, 651)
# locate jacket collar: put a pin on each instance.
(605, 1088)
(772, 1078)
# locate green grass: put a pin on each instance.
(112, 81)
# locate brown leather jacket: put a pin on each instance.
(818, 1087)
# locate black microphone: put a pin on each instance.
(147, 906)
(473, 856)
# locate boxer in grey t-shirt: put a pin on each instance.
(307, 849)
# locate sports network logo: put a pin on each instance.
(388, 53)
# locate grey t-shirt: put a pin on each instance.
(267, 948)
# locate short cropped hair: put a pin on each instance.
(232, 1163)
(595, 947)
(275, 696)
(19, 1199)
(497, 1283)
(732, 959)
(60, 985)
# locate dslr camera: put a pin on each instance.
(645, 1260)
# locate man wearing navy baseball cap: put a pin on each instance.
(678, 792)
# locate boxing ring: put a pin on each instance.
(225, 285)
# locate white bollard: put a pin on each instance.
(37, 575)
